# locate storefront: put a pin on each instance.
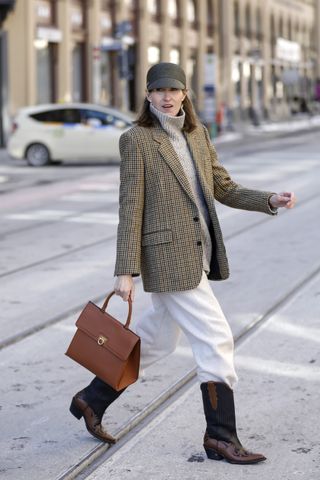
(46, 40)
(78, 55)
(107, 55)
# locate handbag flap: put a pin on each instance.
(115, 337)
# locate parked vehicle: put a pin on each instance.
(76, 131)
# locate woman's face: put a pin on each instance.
(167, 100)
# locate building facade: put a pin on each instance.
(253, 58)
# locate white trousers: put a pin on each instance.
(198, 314)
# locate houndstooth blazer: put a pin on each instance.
(159, 232)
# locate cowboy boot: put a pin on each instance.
(91, 403)
(221, 440)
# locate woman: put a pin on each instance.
(169, 233)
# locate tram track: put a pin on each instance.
(102, 452)
(86, 246)
(46, 223)
(89, 457)
(75, 308)
(225, 154)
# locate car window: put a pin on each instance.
(61, 115)
(101, 117)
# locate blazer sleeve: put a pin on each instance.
(131, 204)
(229, 193)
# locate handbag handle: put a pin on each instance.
(104, 307)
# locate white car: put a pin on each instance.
(72, 131)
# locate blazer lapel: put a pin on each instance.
(169, 155)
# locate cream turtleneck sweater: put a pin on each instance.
(173, 127)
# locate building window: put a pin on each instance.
(236, 19)
(259, 25)
(296, 32)
(173, 10)
(46, 38)
(153, 54)
(45, 73)
(272, 35)
(191, 13)
(289, 29)
(154, 8)
(78, 17)
(106, 79)
(248, 21)
(210, 19)
(78, 73)
(175, 55)
(107, 18)
(191, 71)
(132, 14)
(281, 27)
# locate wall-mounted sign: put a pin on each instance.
(109, 43)
(49, 34)
(287, 50)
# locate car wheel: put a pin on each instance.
(37, 155)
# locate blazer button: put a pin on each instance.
(196, 219)
(199, 242)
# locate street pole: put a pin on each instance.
(3, 88)
(1, 93)
(5, 7)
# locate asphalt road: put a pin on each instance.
(58, 227)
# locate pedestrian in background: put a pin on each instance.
(169, 233)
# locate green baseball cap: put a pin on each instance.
(166, 75)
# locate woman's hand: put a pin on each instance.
(124, 287)
(283, 199)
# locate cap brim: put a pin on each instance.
(166, 83)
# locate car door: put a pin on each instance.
(103, 133)
(68, 138)
(59, 129)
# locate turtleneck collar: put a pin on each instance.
(172, 125)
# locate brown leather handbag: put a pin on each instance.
(105, 346)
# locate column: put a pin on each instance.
(266, 54)
(184, 37)
(317, 29)
(244, 63)
(142, 51)
(201, 52)
(64, 53)
(226, 51)
(30, 52)
(165, 31)
(94, 41)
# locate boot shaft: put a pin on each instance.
(99, 395)
(219, 410)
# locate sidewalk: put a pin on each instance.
(277, 401)
(295, 124)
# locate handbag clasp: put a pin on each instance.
(102, 340)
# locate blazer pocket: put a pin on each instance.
(156, 238)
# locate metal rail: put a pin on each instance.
(74, 309)
(89, 462)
